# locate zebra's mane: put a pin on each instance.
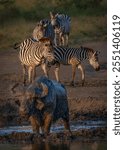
(89, 51)
(45, 39)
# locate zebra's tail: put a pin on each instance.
(16, 45)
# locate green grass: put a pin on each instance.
(18, 19)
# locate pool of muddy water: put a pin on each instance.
(75, 126)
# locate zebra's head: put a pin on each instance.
(39, 31)
(53, 18)
(47, 47)
(44, 23)
(93, 59)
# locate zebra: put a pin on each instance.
(49, 30)
(74, 57)
(62, 22)
(44, 29)
(32, 54)
(38, 32)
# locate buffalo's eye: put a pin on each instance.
(17, 102)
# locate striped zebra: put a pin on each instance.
(74, 57)
(44, 29)
(62, 23)
(49, 30)
(32, 54)
(38, 32)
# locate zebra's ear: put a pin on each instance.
(97, 52)
(81, 47)
(51, 15)
(39, 24)
(45, 25)
(56, 14)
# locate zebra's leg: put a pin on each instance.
(24, 74)
(60, 39)
(45, 69)
(73, 74)
(63, 40)
(82, 69)
(33, 74)
(67, 37)
(55, 39)
(30, 69)
(57, 67)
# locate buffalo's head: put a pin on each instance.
(30, 99)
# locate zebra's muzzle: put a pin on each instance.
(98, 68)
(50, 58)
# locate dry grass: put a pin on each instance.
(27, 5)
(88, 29)
(83, 29)
(18, 18)
(15, 32)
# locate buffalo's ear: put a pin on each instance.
(39, 104)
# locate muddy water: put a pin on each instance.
(78, 145)
(75, 126)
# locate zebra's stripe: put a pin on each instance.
(64, 54)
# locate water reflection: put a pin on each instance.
(69, 146)
(77, 145)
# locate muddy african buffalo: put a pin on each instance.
(42, 102)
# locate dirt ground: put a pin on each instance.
(87, 102)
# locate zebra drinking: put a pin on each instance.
(62, 23)
(32, 54)
(74, 57)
